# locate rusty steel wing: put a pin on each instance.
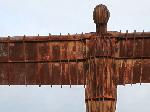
(47, 60)
(67, 60)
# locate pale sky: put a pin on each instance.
(33, 17)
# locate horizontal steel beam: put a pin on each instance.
(65, 60)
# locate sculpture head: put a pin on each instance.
(101, 14)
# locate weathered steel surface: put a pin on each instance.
(100, 60)
(132, 58)
(101, 106)
(4, 74)
(100, 87)
(101, 16)
(133, 71)
(4, 52)
(47, 73)
(31, 74)
(100, 63)
(47, 60)
(100, 79)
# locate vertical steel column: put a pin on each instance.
(101, 90)
(100, 95)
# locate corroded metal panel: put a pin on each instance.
(44, 51)
(132, 71)
(73, 73)
(17, 74)
(100, 63)
(55, 50)
(129, 72)
(101, 106)
(106, 47)
(138, 47)
(146, 71)
(146, 51)
(126, 48)
(100, 79)
(65, 73)
(18, 55)
(61, 57)
(31, 51)
(137, 71)
(44, 74)
(43, 38)
(4, 39)
(81, 76)
(87, 48)
(32, 73)
(56, 75)
(129, 48)
(47, 73)
(4, 54)
(122, 48)
(125, 72)
(80, 50)
(64, 50)
(4, 74)
(30, 38)
(98, 46)
(121, 73)
(133, 47)
(116, 45)
(72, 50)
(106, 77)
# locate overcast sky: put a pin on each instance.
(33, 17)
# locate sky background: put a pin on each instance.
(33, 17)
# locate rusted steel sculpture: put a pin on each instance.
(100, 60)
